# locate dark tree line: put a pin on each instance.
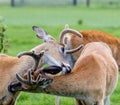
(87, 2)
(14, 4)
(74, 2)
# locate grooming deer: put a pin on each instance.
(93, 78)
(72, 41)
(50, 52)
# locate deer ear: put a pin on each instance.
(66, 26)
(42, 34)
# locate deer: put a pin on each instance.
(50, 52)
(71, 41)
(92, 79)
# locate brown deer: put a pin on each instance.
(50, 52)
(71, 41)
(93, 78)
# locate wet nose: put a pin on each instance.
(66, 68)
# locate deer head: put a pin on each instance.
(50, 52)
(54, 52)
(64, 39)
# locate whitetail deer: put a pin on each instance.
(9, 66)
(93, 78)
(71, 41)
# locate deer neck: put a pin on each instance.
(116, 53)
(63, 86)
(26, 63)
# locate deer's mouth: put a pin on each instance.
(53, 70)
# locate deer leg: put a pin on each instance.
(107, 101)
(100, 102)
(76, 101)
(57, 100)
(80, 102)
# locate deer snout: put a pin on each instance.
(65, 68)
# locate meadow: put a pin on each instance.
(19, 22)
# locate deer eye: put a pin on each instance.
(62, 49)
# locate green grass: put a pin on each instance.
(19, 21)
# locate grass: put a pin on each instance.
(19, 21)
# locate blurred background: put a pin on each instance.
(59, 2)
(16, 35)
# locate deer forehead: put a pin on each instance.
(51, 48)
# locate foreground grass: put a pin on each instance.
(19, 21)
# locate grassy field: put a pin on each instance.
(19, 21)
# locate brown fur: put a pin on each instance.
(9, 66)
(96, 36)
(91, 80)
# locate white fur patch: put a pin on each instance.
(68, 38)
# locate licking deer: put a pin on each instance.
(50, 52)
(72, 41)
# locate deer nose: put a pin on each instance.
(65, 68)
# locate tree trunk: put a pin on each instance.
(12, 3)
(74, 2)
(88, 3)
